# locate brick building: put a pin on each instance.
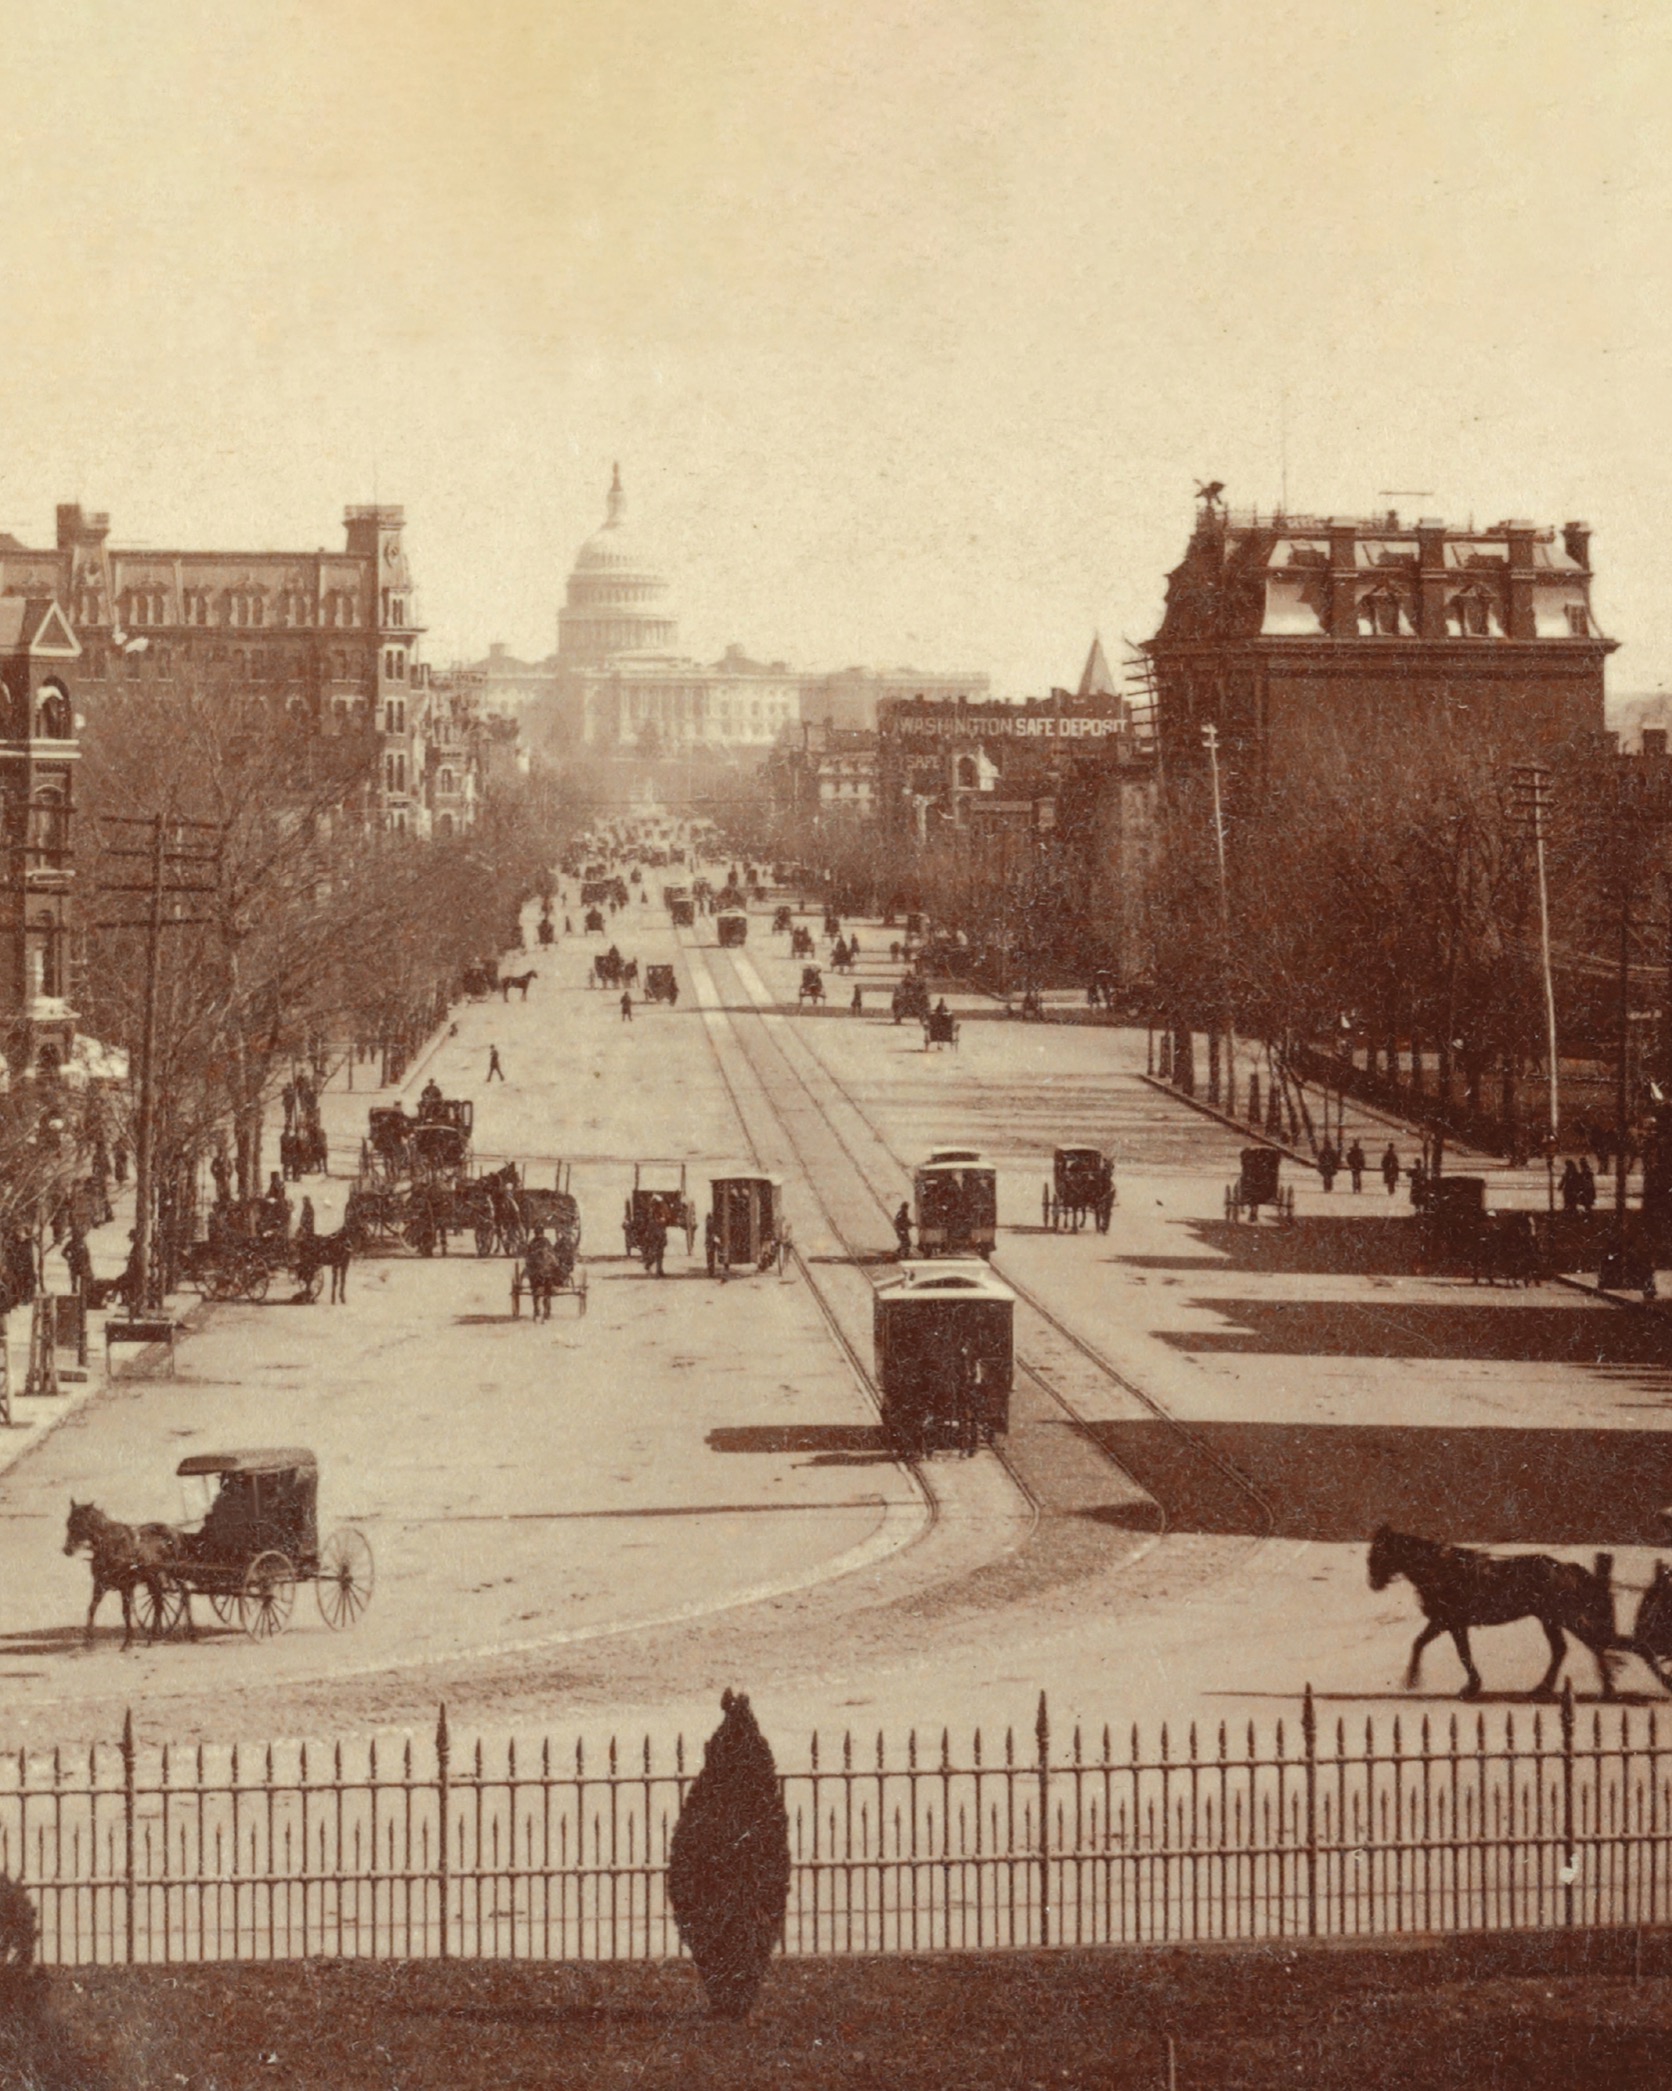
(1310, 641)
(332, 635)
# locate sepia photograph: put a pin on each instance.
(835, 1046)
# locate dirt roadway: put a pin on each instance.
(750, 1472)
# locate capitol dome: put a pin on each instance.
(617, 600)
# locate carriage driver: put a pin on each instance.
(429, 1099)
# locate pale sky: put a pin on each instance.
(912, 325)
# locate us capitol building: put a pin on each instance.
(618, 683)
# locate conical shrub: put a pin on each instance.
(729, 1869)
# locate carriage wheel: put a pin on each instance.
(224, 1605)
(219, 1283)
(580, 1292)
(268, 1597)
(1045, 1206)
(162, 1614)
(343, 1587)
(254, 1281)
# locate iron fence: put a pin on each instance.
(1426, 1826)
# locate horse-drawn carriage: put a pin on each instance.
(956, 1198)
(801, 941)
(733, 928)
(943, 1336)
(940, 1028)
(1259, 1182)
(661, 984)
(247, 1247)
(480, 979)
(682, 913)
(782, 919)
(257, 1539)
(544, 1269)
(610, 969)
(545, 932)
(604, 892)
(1082, 1187)
(746, 1229)
(812, 986)
(910, 999)
(436, 1143)
(653, 1204)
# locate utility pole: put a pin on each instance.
(158, 890)
(1531, 785)
(1210, 740)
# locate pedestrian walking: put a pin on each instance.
(626, 1005)
(1587, 1185)
(494, 1066)
(288, 1095)
(902, 1231)
(1390, 1167)
(1355, 1165)
(656, 1247)
(1419, 1184)
(80, 1262)
(1328, 1163)
(857, 1005)
(306, 1228)
(1570, 1185)
(568, 927)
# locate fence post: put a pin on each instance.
(128, 1825)
(1042, 1734)
(1309, 1741)
(444, 1804)
(1569, 1863)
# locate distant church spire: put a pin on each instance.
(618, 500)
(1095, 678)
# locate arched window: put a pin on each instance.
(967, 774)
(46, 955)
(53, 720)
(444, 824)
(1379, 615)
(446, 781)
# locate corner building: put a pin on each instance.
(1314, 643)
(331, 635)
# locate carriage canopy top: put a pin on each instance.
(270, 1459)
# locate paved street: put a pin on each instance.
(602, 1521)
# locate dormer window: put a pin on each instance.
(1578, 621)
(1379, 615)
(1470, 615)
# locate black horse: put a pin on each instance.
(328, 1252)
(124, 1558)
(1459, 1588)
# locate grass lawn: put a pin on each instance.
(1521, 2014)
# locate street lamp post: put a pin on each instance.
(1210, 740)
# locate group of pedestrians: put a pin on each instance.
(1578, 1185)
(1331, 1162)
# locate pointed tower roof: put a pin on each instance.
(1095, 678)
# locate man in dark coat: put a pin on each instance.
(902, 1230)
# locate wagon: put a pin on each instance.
(812, 986)
(782, 919)
(666, 1202)
(598, 892)
(746, 1227)
(1082, 1186)
(943, 1337)
(801, 941)
(257, 1539)
(956, 1199)
(733, 927)
(1259, 1184)
(660, 984)
(682, 913)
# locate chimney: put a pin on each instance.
(1431, 578)
(1576, 541)
(79, 527)
(1343, 588)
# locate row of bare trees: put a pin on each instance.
(294, 929)
(1391, 922)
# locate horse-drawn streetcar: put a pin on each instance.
(956, 1196)
(733, 928)
(746, 1228)
(943, 1335)
(661, 984)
